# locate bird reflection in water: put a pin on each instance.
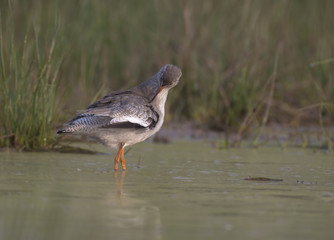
(127, 211)
(119, 180)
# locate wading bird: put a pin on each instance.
(123, 118)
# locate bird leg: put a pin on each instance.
(120, 154)
(117, 157)
(123, 159)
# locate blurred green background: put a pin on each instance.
(245, 63)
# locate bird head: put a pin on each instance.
(169, 76)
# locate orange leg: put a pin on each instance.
(123, 160)
(117, 157)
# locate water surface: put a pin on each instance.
(183, 190)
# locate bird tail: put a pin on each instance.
(84, 123)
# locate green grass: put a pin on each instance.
(246, 64)
(28, 88)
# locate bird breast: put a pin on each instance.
(159, 102)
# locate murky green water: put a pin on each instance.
(181, 191)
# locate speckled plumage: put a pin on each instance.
(124, 118)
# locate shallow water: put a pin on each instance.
(183, 190)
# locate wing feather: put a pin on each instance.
(123, 107)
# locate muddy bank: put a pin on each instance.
(304, 136)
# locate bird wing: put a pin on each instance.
(121, 110)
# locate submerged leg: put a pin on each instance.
(117, 157)
(123, 159)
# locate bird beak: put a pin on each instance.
(159, 90)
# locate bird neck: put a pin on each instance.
(159, 102)
(149, 88)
